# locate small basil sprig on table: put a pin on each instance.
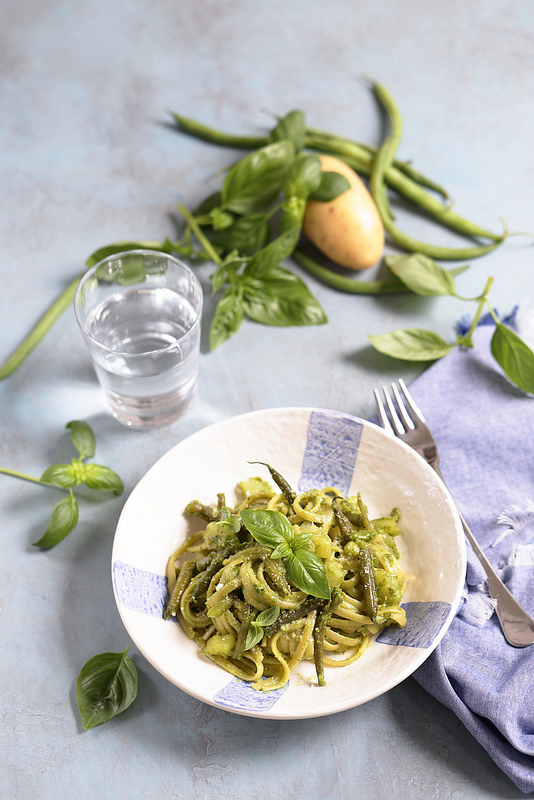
(304, 567)
(105, 687)
(65, 513)
(425, 277)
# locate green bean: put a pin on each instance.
(343, 283)
(323, 618)
(343, 521)
(39, 331)
(368, 582)
(280, 481)
(399, 175)
(207, 134)
(381, 163)
(184, 576)
(292, 614)
(215, 564)
(248, 613)
(317, 139)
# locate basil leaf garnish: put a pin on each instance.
(306, 570)
(269, 528)
(304, 567)
(106, 686)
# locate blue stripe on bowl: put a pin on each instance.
(332, 443)
(241, 696)
(140, 590)
(423, 623)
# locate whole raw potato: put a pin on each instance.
(348, 230)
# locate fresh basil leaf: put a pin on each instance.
(221, 219)
(267, 527)
(253, 183)
(301, 540)
(254, 635)
(331, 186)
(226, 271)
(230, 524)
(304, 177)
(267, 617)
(247, 234)
(228, 317)
(292, 126)
(63, 520)
(275, 252)
(281, 550)
(60, 475)
(421, 274)
(293, 210)
(106, 686)
(514, 356)
(82, 437)
(307, 572)
(281, 299)
(102, 478)
(411, 344)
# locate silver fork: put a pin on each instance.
(401, 416)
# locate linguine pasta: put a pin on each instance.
(241, 606)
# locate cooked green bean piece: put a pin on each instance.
(319, 628)
(342, 520)
(292, 614)
(369, 586)
(215, 564)
(280, 481)
(248, 614)
(184, 576)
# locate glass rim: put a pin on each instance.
(91, 272)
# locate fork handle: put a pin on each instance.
(516, 624)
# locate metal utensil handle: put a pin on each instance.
(517, 625)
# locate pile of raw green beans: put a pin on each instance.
(384, 172)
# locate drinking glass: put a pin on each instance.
(139, 314)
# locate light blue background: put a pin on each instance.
(87, 159)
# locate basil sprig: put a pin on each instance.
(425, 277)
(304, 567)
(65, 513)
(257, 626)
(105, 687)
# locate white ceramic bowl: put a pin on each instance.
(311, 448)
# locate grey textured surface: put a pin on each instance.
(88, 158)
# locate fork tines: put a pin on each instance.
(394, 416)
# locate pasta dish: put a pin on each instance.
(283, 577)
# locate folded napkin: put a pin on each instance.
(484, 428)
